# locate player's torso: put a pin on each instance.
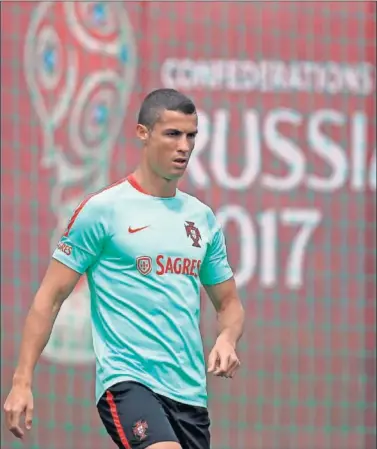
(147, 302)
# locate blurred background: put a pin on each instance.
(286, 157)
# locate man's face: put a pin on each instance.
(170, 143)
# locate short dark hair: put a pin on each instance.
(163, 99)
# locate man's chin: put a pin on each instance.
(175, 175)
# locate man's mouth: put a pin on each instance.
(180, 160)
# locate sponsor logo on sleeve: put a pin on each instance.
(64, 248)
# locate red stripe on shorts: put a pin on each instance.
(82, 204)
(115, 416)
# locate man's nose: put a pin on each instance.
(184, 145)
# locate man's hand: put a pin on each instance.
(19, 401)
(223, 360)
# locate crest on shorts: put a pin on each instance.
(140, 429)
(144, 264)
(193, 233)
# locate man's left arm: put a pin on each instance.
(223, 359)
(217, 278)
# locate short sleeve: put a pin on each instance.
(215, 267)
(83, 240)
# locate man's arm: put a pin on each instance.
(56, 286)
(217, 278)
(78, 249)
(223, 360)
(58, 283)
(229, 309)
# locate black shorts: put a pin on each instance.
(136, 417)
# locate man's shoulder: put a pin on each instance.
(199, 208)
(103, 199)
(193, 202)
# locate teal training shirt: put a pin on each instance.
(145, 258)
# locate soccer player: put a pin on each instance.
(146, 247)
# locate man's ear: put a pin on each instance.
(142, 132)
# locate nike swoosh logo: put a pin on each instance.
(133, 230)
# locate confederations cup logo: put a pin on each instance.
(79, 66)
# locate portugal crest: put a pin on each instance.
(140, 429)
(193, 233)
(144, 265)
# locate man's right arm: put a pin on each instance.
(78, 249)
(58, 283)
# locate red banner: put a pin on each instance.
(285, 156)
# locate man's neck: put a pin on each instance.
(153, 184)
